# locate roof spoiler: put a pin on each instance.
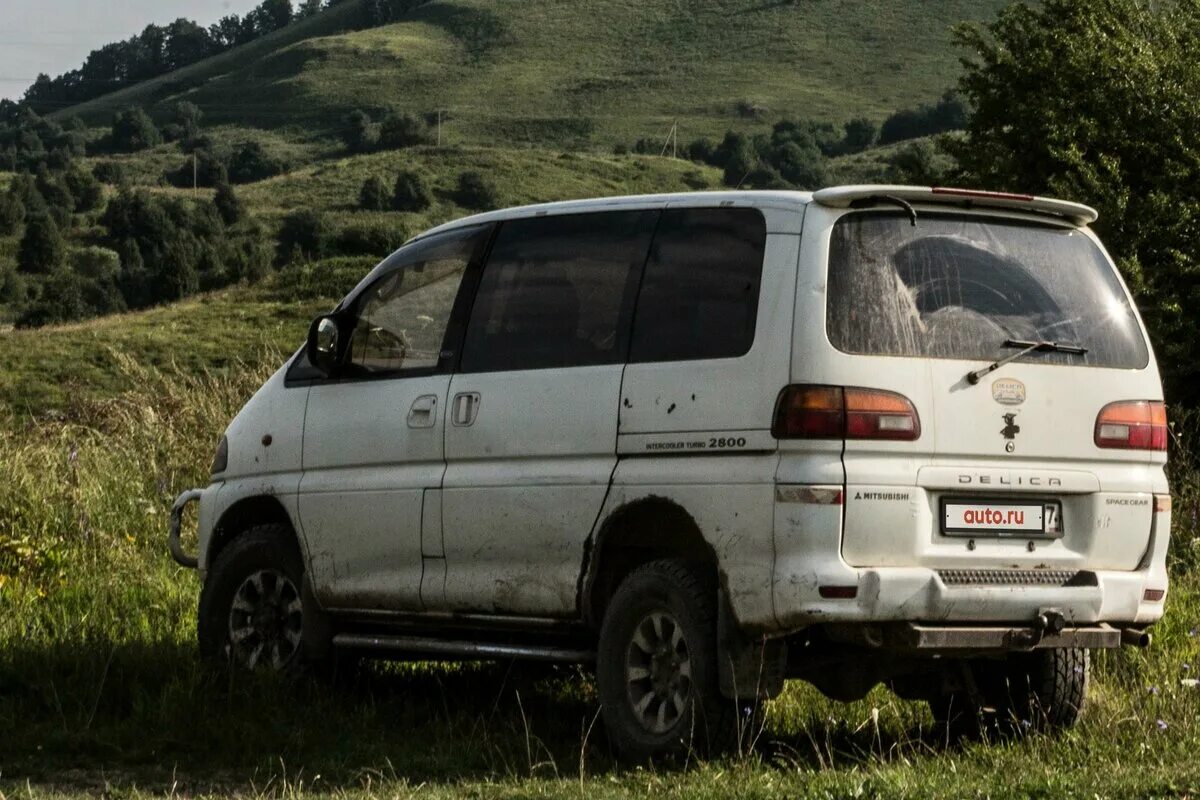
(852, 196)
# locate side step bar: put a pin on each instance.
(448, 649)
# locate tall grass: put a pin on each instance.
(100, 684)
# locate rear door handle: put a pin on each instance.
(465, 408)
(423, 413)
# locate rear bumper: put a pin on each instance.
(813, 584)
(898, 594)
(922, 638)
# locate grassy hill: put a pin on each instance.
(554, 72)
(50, 371)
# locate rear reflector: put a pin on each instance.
(1153, 595)
(807, 411)
(838, 592)
(1162, 503)
(1132, 425)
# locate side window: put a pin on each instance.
(699, 297)
(558, 291)
(405, 315)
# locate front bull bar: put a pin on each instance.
(181, 557)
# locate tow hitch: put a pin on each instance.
(182, 558)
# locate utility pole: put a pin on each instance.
(439, 144)
(195, 183)
(672, 140)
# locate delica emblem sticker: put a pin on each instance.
(1008, 392)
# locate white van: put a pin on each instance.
(707, 442)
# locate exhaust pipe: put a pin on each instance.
(1132, 637)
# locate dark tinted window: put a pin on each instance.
(958, 287)
(558, 292)
(699, 297)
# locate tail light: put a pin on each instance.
(1132, 425)
(834, 412)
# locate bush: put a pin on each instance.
(915, 163)
(403, 130)
(373, 196)
(699, 150)
(304, 234)
(55, 192)
(252, 162)
(860, 133)
(357, 132)
(370, 240)
(476, 192)
(948, 114)
(85, 188)
(110, 172)
(411, 193)
(12, 214)
(229, 206)
(132, 130)
(203, 166)
(42, 248)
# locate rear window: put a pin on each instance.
(959, 286)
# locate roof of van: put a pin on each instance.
(834, 197)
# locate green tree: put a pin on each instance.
(1097, 102)
(42, 248)
(305, 232)
(84, 187)
(132, 129)
(187, 116)
(860, 133)
(12, 213)
(373, 196)
(411, 192)
(229, 205)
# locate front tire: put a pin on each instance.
(656, 666)
(251, 611)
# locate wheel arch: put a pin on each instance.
(645, 529)
(246, 513)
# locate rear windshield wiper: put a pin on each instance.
(1026, 348)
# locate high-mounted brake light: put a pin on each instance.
(806, 411)
(982, 195)
(1132, 425)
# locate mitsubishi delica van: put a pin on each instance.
(704, 443)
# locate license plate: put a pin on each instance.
(1004, 518)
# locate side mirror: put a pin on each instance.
(325, 344)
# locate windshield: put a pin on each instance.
(960, 286)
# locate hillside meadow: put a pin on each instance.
(548, 73)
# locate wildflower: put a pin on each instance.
(1153, 690)
(1186, 666)
(1162, 726)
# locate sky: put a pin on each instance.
(53, 36)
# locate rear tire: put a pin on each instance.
(1042, 691)
(656, 667)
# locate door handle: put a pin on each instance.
(423, 413)
(466, 407)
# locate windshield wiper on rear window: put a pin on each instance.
(1026, 348)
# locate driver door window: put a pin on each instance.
(402, 320)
